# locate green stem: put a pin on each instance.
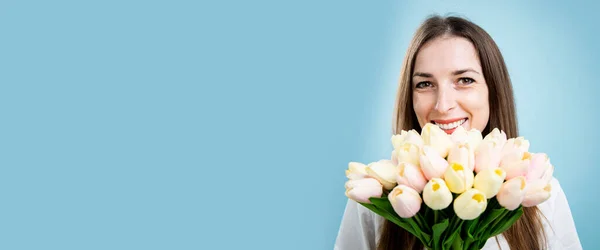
(435, 217)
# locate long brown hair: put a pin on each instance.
(527, 232)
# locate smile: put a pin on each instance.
(450, 125)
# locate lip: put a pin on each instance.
(448, 121)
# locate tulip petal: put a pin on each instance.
(363, 189)
(405, 201)
(436, 194)
(356, 170)
(458, 178)
(410, 175)
(384, 171)
(489, 181)
(512, 192)
(435, 137)
(470, 204)
(432, 164)
(536, 193)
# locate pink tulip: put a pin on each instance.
(536, 193)
(473, 137)
(463, 154)
(432, 164)
(488, 155)
(515, 163)
(405, 201)
(411, 176)
(540, 168)
(512, 192)
(518, 143)
(362, 189)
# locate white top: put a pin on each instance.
(360, 227)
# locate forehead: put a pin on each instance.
(446, 54)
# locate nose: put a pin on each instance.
(446, 99)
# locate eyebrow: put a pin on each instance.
(456, 72)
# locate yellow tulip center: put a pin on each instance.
(401, 170)
(548, 188)
(399, 191)
(526, 156)
(436, 186)
(457, 167)
(478, 197)
(499, 172)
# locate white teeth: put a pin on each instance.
(451, 125)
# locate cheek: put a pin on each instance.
(422, 106)
(477, 105)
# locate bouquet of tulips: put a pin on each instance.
(474, 188)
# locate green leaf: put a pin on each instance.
(494, 224)
(487, 219)
(473, 224)
(510, 219)
(438, 230)
(382, 207)
(453, 239)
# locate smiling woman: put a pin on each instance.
(454, 75)
(449, 88)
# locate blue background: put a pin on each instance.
(193, 125)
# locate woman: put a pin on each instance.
(454, 75)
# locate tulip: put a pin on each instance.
(497, 136)
(432, 164)
(487, 155)
(410, 175)
(512, 192)
(362, 189)
(435, 137)
(411, 137)
(489, 181)
(384, 171)
(518, 143)
(470, 204)
(408, 152)
(540, 168)
(436, 194)
(458, 178)
(473, 137)
(536, 193)
(405, 201)
(356, 170)
(516, 163)
(463, 154)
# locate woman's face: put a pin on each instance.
(449, 89)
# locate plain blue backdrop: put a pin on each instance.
(205, 125)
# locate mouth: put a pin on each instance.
(449, 125)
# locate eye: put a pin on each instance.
(465, 81)
(422, 85)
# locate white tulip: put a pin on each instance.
(436, 138)
(489, 181)
(470, 204)
(436, 194)
(384, 171)
(356, 170)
